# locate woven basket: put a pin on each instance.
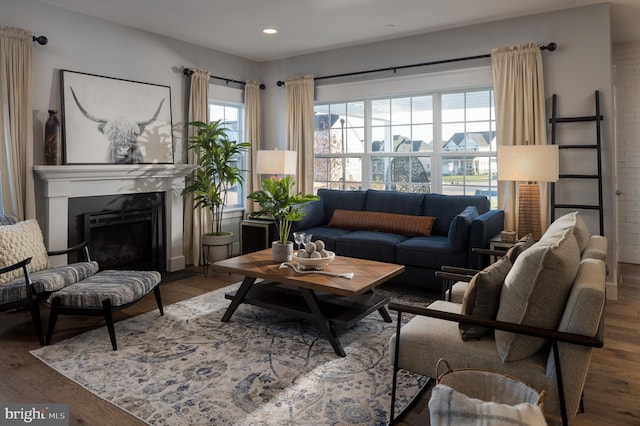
(488, 386)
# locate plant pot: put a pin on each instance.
(216, 247)
(282, 252)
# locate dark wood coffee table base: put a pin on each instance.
(329, 311)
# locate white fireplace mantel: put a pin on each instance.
(56, 184)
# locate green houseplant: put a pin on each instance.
(217, 171)
(277, 199)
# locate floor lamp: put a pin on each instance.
(276, 163)
(528, 164)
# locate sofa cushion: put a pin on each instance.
(372, 245)
(328, 235)
(18, 242)
(384, 222)
(535, 292)
(482, 297)
(429, 252)
(346, 200)
(460, 227)
(394, 202)
(445, 207)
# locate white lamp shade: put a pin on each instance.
(533, 163)
(275, 162)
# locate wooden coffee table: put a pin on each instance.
(332, 302)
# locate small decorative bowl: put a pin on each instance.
(317, 263)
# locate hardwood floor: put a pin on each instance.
(611, 393)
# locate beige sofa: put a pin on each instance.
(555, 289)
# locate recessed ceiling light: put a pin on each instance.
(270, 31)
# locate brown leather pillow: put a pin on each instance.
(384, 222)
(482, 297)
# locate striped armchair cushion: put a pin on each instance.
(120, 287)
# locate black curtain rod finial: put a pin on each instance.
(187, 71)
(280, 83)
(42, 40)
(550, 47)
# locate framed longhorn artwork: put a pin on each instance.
(114, 121)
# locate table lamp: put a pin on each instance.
(528, 164)
(276, 163)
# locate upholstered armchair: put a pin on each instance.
(26, 275)
(547, 313)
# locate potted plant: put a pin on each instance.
(217, 171)
(277, 199)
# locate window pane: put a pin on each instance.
(452, 107)
(422, 109)
(405, 174)
(422, 138)
(381, 112)
(338, 173)
(478, 106)
(401, 111)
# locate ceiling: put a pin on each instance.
(308, 26)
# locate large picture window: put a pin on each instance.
(232, 116)
(442, 141)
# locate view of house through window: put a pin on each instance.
(232, 117)
(440, 142)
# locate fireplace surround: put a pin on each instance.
(57, 185)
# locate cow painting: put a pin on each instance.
(122, 134)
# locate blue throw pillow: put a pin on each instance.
(459, 228)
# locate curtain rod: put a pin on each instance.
(42, 40)
(550, 47)
(189, 72)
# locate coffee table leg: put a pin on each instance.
(385, 314)
(325, 326)
(247, 283)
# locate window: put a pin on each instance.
(388, 143)
(232, 116)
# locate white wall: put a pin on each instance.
(627, 66)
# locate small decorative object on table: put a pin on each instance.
(314, 256)
(508, 236)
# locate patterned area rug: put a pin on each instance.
(260, 368)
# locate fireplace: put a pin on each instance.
(124, 231)
(57, 185)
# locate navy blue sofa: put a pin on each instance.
(461, 223)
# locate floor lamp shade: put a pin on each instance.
(276, 163)
(528, 164)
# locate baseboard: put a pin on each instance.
(612, 291)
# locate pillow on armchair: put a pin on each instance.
(18, 242)
(535, 292)
(482, 297)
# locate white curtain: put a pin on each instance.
(518, 83)
(196, 219)
(16, 122)
(252, 135)
(300, 128)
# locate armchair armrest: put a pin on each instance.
(84, 246)
(460, 271)
(596, 341)
(489, 252)
(22, 264)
